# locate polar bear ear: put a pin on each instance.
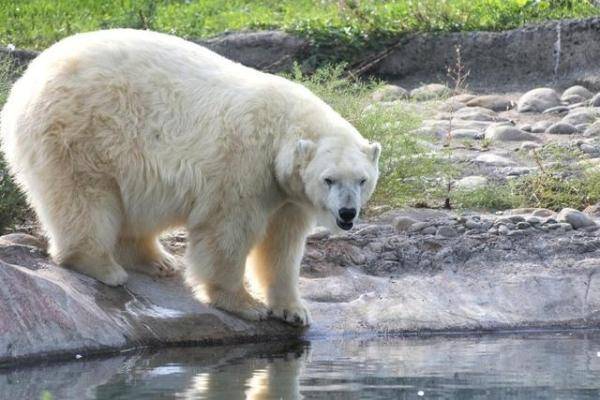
(304, 149)
(374, 151)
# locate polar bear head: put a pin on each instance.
(337, 176)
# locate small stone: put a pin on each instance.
(576, 90)
(507, 133)
(471, 224)
(403, 224)
(572, 99)
(466, 134)
(543, 213)
(523, 225)
(561, 128)
(390, 93)
(595, 101)
(430, 92)
(526, 146)
(565, 226)
(581, 128)
(492, 102)
(581, 116)
(494, 159)
(593, 130)
(540, 127)
(469, 183)
(430, 230)
(533, 220)
(551, 221)
(557, 110)
(476, 114)
(538, 100)
(503, 229)
(575, 218)
(419, 226)
(446, 231)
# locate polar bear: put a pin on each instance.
(118, 135)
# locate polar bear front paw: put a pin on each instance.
(241, 304)
(294, 313)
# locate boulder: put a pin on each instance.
(538, 100)
(390, 93)
(430, 92)
(508, 133)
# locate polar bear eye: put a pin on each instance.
(329, 181)
(363, 181)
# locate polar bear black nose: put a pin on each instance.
(347, 214)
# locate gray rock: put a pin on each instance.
(529, 146)
(390, 93)
(272, 51)
(469, 183)
(493, 159)
(573, 99)
(62, 312)
(492, 102)
(581, 128)
(466, 134)
(576, 90)
(593, 130)
(538, 100)
(403, 223)
(507, 133)
(595, 101)
(581, 116)
(575, 218)
(430, 92)
(541, 126)
(430, 230)
(526, 127)
(561, 128)
(557, 110)
(447, 231)
(476, 114)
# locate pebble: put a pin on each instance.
(492, 102)
(430, 230)
(447, 231)
(576, 90)
(595, 101)
(508, 133)
(476, 114)
(540, 127)
(403, 224)
(538, 100)
(430, 92)
(390, 93)
(580, 116)
(523, 225)
(557, 110)
(561, 128)
(575, 218)
(493, 159)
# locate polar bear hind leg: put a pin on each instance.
(82, 219)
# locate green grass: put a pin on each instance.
(342, 27)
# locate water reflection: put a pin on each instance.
(557, 366)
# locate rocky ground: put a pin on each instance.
(410, 271)
(497, 137)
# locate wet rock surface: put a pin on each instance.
(47, 311)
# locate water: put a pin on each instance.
(549, 366)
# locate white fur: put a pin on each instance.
(118, 135)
